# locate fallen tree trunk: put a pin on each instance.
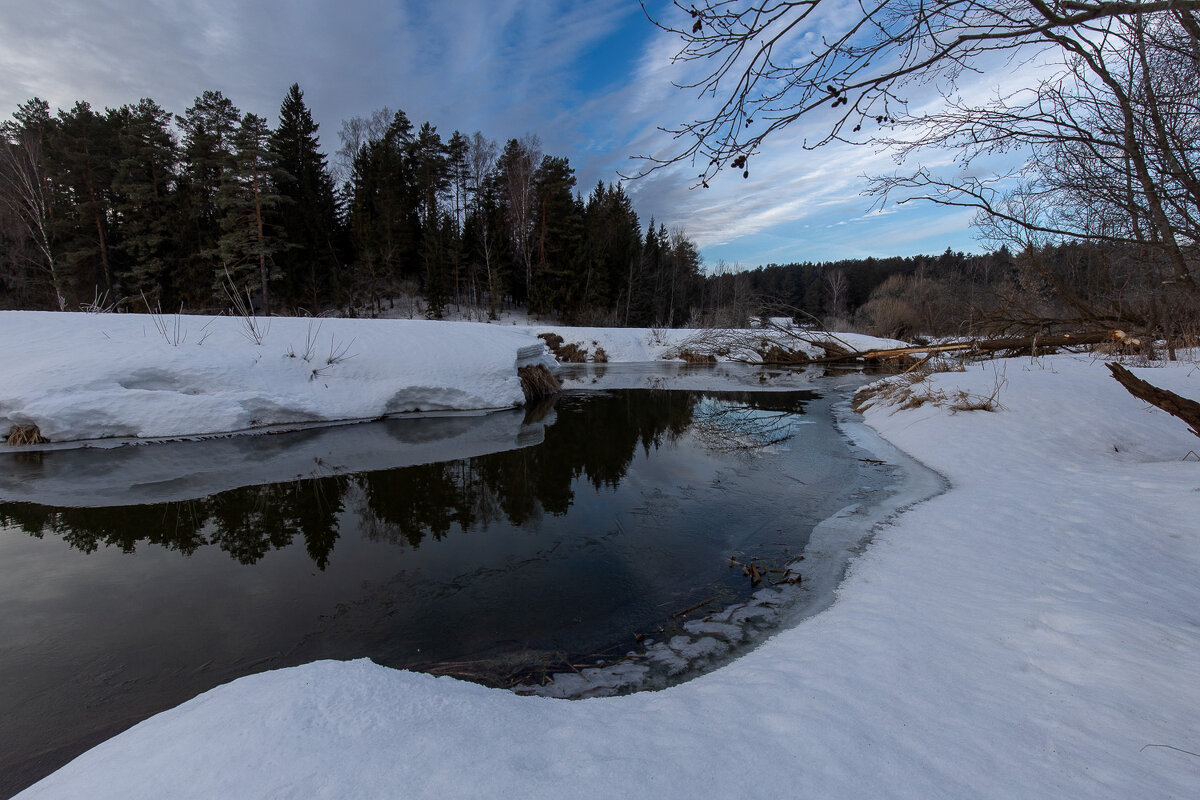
(1181, 407)
(973, 346)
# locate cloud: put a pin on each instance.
(592, 78)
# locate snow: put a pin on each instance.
(112, 378)
(655, 344)
(94, 376)
(1033, 631)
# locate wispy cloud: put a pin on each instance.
(505, 67)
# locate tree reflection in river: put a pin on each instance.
(594, 436)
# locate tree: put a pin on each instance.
(144, 200)
(457, 150)
(517, 165)
(246, 247)
(480, 224)
(383, 220)
(1105, 128)
(24, 185)
(430, 172)
(82, 150)
(209, 129)
(307, 213)
(557, 239)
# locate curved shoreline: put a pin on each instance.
(700, 646)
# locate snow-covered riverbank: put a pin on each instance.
(1032, 632)
(115, 377)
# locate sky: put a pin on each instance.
(591, 78)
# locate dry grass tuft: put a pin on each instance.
(774, 354)
(571, 354)
(692, 357)
(552, 340)
(537, 382)
(21, 435)
(599, 356)
(565, 353)
(910, 390)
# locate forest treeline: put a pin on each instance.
(136, 206)
(1062, 287)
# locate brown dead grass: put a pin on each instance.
(572, 354)
(774, 354)
(692, 357)
(21, 435)
(911, 390)
(552, 340)
(537, 382)
(565, 353)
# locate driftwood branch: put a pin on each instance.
(1181, 407)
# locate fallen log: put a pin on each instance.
(1175, 405)
(980, 346)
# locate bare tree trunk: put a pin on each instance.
(21, 189)
(1181, 407)
(262, 255)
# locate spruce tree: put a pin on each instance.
(430, 171)
(307, 213)
(558, 238)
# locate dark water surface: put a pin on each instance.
(492, 566)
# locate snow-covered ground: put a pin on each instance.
(92, 376)
(117, 377)
(1033, 632)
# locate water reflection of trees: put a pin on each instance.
(594, 437)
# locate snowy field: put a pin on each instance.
(1034, 632)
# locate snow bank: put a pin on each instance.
(1033, 632)
(655, 344)
(87, 377)
(93, 376)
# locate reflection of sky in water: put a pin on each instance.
(412, 574)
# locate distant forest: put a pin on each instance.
(136, 208)
(110, 207)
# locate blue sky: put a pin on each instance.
(592, 78)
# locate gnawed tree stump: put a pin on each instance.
(1181, 407)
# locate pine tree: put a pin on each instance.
(246, 248)
(209, 132)
(144, 199)
(82, 150)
